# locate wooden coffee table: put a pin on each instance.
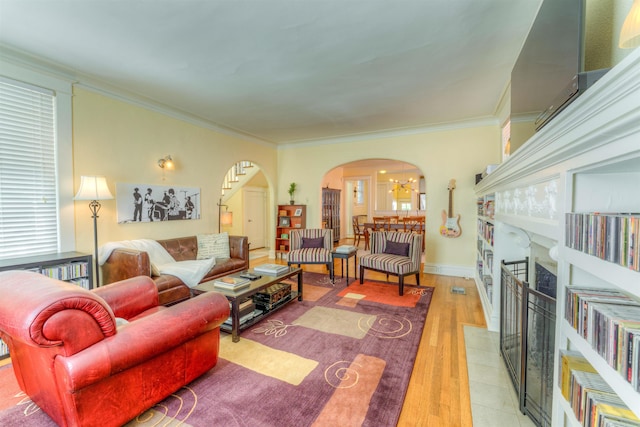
(235, 297)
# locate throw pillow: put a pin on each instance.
(121, 322)
(213, 246)
(312, 243)
(396, 248)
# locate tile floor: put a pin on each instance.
(493, 400)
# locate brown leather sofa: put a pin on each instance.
(73, 360)
(125, 263)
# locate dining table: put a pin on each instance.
(370, 227)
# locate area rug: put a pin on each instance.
(341, 357)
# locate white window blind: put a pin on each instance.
(28, 198)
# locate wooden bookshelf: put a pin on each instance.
(72, 267)
(290, 217)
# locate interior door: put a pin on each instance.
(255, 213)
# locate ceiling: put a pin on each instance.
(285, 71)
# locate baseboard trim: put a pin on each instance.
(449, 270)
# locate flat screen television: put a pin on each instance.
(550, 72)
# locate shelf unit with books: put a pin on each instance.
(485, 279)
(600, 252)
(290, 217)
(72, 267)
(585, 162)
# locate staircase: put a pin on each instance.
(236, 178)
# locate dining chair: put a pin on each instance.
(381, 223)
(359, 231)
(411, 224)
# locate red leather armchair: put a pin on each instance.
(72, 360)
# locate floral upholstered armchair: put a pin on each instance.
(394, 253)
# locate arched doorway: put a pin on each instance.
(243, 204)
(377, 187)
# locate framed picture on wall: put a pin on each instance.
(285, 221)
(156, 203)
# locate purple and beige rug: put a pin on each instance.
(341, 357)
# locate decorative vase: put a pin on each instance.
(292, 202)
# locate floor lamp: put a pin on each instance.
(224, 218)
(94, 188)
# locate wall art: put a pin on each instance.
(151, 203)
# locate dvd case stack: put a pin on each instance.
(592, 400)
(485, 229)
(612, 237)
(609, 321)
(72, 270)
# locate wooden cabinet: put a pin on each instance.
(583, 164)
(72, 267)
(290, 217)
(331, 211)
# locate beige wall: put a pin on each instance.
(441, 156)
(124, 142)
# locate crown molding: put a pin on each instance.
(113, 92)
(101, 87)
(9, 55)
(391, 133)
(608, 112)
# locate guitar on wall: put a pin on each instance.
(450, 225)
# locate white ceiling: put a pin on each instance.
(286, 71)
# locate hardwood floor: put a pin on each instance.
(438, 392)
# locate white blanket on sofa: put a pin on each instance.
(190, 272)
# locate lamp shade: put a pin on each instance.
(226, 218)
(630, 33)
(93, 188)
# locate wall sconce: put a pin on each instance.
(166, 162)
(224, 218)
(630, 33)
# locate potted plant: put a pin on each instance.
(292, 189)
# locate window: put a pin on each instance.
(28, 190)
(358, 192)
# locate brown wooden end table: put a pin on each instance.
(235, 297)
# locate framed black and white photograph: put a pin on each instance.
(151, 203)
(298, 212)
(285, 221)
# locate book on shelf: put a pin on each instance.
(571, 361)
(230, 282)
(243, 319)
(345, 249)
(613, 237)
(246, 307)
(588, 393)
(609, 321)
(271, 269)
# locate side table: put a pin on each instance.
(345, 256)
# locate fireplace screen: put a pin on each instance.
(527, 340)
